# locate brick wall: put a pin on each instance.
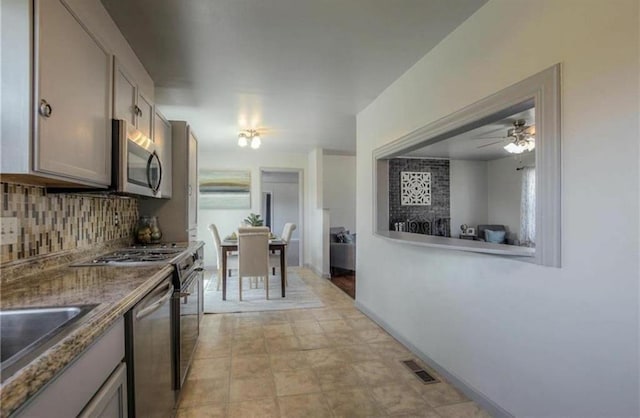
(440, 193)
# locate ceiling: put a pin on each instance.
(491, 137)
(297, 70)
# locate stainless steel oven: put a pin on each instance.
(188, 309)
(137, 168)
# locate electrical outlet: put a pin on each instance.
(9, 231)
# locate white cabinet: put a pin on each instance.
(130, 103)
(162, 139)
(178, 216)
(62, 136)
(94, 382)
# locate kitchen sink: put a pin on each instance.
(25, 333)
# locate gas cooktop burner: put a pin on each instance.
(134, 256)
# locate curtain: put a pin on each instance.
(528, 207)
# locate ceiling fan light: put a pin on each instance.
(255, 142)
(242, 140)
(513, 148)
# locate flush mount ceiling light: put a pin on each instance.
(249, 136)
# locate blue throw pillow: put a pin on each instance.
(496, 237)
(349, 238)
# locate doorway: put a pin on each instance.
(281, 202)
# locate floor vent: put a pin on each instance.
(419, 372)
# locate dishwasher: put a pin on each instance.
(149, 352)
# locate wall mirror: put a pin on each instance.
(484, 179)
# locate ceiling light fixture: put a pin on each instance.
(249, 136)
(523, 138)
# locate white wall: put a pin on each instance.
(93, 14)
(284, 189)
(316, 255)
(505, 190)
(468, 187)
(228, 220)
(339, 189)
(534, 340)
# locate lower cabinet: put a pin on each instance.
(94, 385)
(111, 399)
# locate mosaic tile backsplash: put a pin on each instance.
(50, 222)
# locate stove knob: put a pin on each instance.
(174, 245)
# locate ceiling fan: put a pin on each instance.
(521, 136)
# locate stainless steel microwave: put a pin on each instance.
(137, 167)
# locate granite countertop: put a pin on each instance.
(114, 289)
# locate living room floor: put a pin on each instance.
(346, 281)
(322, 362)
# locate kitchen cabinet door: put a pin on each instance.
(124, 95)
(111, 400)
(193, 185)
(162, 139)
(146, 116)
(73, 97)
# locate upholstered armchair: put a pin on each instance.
(342, 251)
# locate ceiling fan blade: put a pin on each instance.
(488, 145)
(490, 137)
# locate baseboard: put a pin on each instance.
(478, 397)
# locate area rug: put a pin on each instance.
(299, 295)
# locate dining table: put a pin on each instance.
(227, 246)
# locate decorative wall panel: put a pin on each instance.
(415, 188)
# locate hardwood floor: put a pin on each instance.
(345, 281)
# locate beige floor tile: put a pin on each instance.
(209, 368)
(257, 365)
(358, 353)
(311, 405)
(335, 325)
(361, 323)
(393, 350)
(306, 327)
(248, 333)
(462, 410)
(341, 339)
(399, 398)
(281, 344)
(249, 346)
(204, 391)
(324, 357)
(202, 411)
(272, 318)
(252, 388)
(373, 373)
(326, 314)
(300, 315)
(337, 377)
(313, 341)
(293, 360)
(205, 349)
(354, 403)
(259, 408)
(372, 336)
(438, 394)
(278, 330)
(352, 313)
(296, 382)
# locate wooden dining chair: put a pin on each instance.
(232, 259)
(253, 255)
(274, 258)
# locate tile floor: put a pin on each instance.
(323, 362)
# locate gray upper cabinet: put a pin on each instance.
(162, 139)
(130, 103)
(58, 128)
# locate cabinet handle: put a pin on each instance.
(190, 190)
(45, 108)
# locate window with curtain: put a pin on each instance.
(528, 208)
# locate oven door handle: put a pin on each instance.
(187, 284)
(155, 305)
